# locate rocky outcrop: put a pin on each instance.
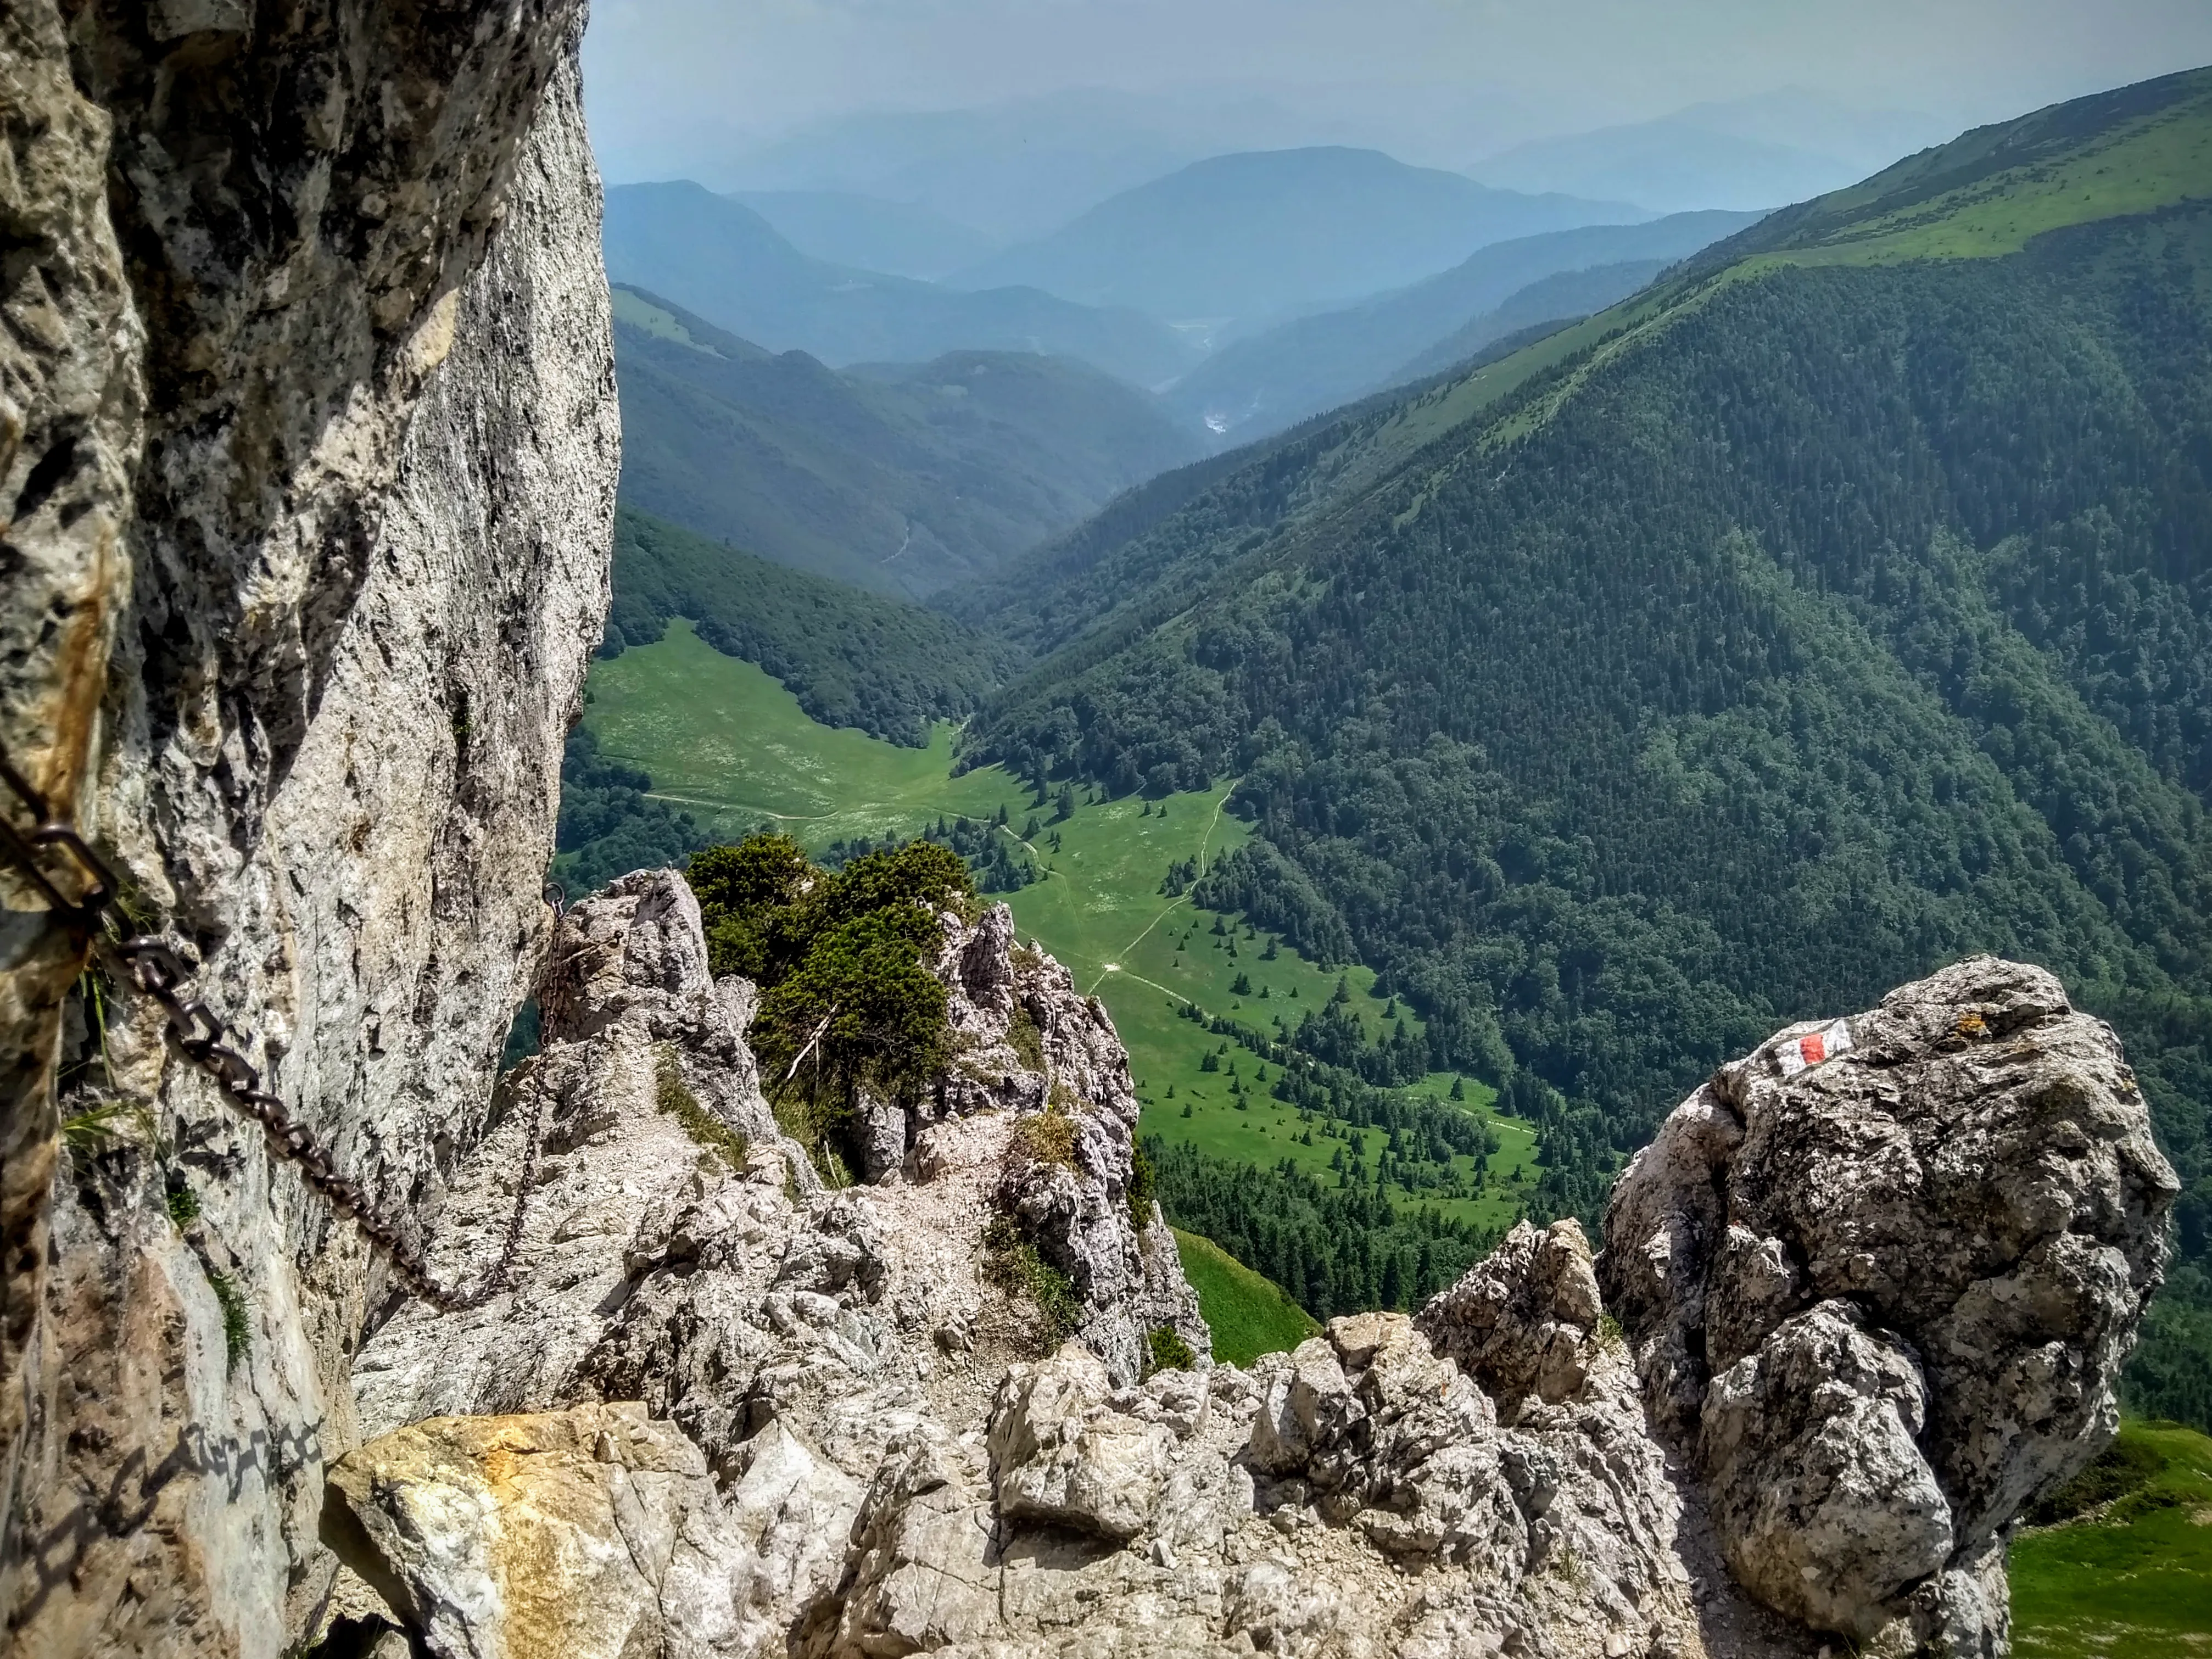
(679, 1249)
(1879, 1276)
(1757, 1462)
(338, 412)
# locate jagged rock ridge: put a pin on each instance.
(876, 1458)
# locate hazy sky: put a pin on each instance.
(758, 68)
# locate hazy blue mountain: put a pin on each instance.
(896, 477)
(1762, 152)
(1019, 169)
(845, 229)
(1317, 363)
(1669, 164)
(722, 260)
(1270, 233)
(1013, 171)
(1565, 296)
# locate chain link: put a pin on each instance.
(153, 967)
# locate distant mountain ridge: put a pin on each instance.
(897, 478)
(1269, 233)
(1757, 152)
(724, 262)
(868, 233)
(1317, 362)
(1671, 165)
(1024, 167)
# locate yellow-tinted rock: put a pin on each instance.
(591, 1533)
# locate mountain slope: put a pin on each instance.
(866, 232)
(721, 259)
(1268, 232)
(1566, 296)
(1317, 363)
(851, 658)
(896, 478)
(1826, 612)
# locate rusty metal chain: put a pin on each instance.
(153, 967)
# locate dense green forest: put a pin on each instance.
(851, 658)
(1335, 1249)
(1827, 614)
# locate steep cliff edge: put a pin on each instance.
(1875, 1282)
(309, 413)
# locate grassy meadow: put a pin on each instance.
(730, 745)
(2132, 1577)
(1247, 1313)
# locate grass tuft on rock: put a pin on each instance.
(673, 1099)
(1165, 1350)
(1026, 1038)
(1014, 1264)
(237, 1323)
(183, 1205)
(1047, 1137)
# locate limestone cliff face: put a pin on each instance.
(320, 432)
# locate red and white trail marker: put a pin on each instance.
(1813, 1048)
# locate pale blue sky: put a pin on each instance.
(680, 72)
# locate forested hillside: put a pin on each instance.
(888, 668)
(895, 477)
(1842, 606)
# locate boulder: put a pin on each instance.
(1060, 1456)
(591, 1533)
(1881, 1276)
(1520, 1321)
(1828, 1509)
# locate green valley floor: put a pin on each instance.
(731, 745)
